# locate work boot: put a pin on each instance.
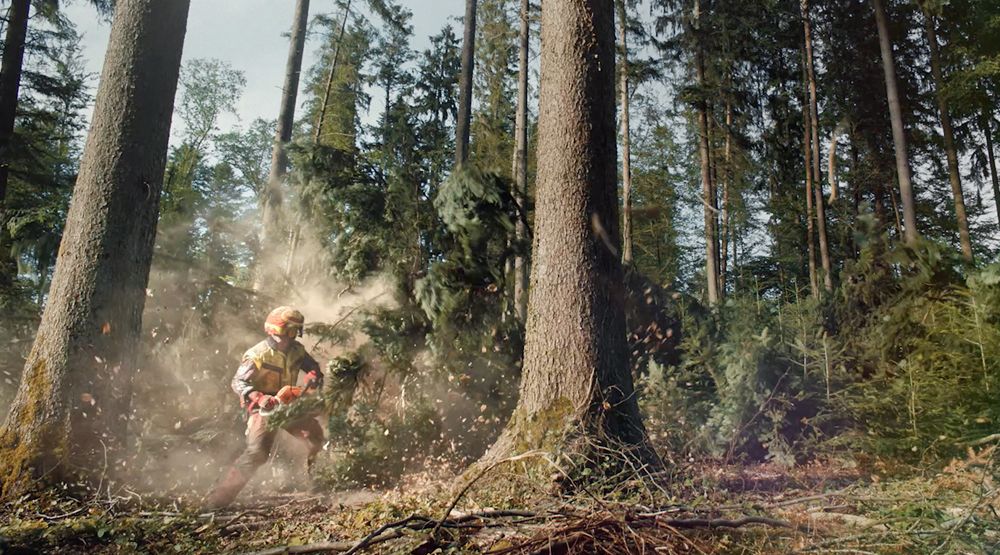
(225, 491)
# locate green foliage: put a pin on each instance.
(480, 213)
(901, 365)
(931, 348)
(374, 450)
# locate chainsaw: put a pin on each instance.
(288, 395)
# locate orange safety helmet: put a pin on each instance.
(284, 321)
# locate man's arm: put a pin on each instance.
(312, 371)
(241, 381)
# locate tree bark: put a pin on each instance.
(954, 176)
(986, 122)
(626, 143)
(576, 381)
(465, 85)
(711, 256)
(69, 417)
(317, 133)
(521, 163)
(10, 83)
(15, 40)
(807, 162)
(906, 196)
(272, 199)
(727, 183)
(824, 245)
(810, 219)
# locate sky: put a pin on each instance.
(249, 35)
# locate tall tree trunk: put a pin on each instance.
(10, 83)
(15, 40)
(824, 244)
(855, 194)
(576, 374)
(465, 85)
(949, 139)
(898, 132)
(521, 163)
(70, 413)
(626, 142)
(986, 122)
(272, 199)
(317, 133)
(711, 256)
(807, 162)
(726, 184)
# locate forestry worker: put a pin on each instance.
(266, 369)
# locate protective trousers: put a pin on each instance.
(260, 442)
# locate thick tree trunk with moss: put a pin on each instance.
(70, 414)
(906, 196)
(954, 176)
(272, 198)
(824, 245)
(465, 85)
(576, 380)
(521, 163)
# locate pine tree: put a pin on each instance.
(575, 373)
(74, 400)
(898, 129)
(465, 85)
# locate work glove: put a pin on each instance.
(313, 380)
(263, 400)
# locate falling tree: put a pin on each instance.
(318, 127)
(73, 404)
(272, 199)
(576, 375)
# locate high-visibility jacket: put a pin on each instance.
(266, 369)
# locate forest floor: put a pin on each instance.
(837, 506)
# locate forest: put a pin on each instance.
(560, 277)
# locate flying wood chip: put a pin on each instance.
(106, 328)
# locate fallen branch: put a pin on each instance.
(324, 547)
(983, 440)
(391, 531)
(62, 516)
(719, 522)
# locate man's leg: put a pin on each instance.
(259, 444)
(309, 429)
